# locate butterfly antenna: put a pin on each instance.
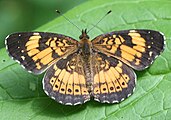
(67, 19)
(100, 20)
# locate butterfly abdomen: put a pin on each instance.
(86, 53)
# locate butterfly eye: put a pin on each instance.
(87, 37)
(81, 37)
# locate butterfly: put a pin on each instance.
(101, 69)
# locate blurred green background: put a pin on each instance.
(27, 15)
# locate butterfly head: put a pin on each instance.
(84, 34)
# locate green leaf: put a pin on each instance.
(21, 93)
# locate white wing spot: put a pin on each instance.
(53, 97)
(68, 103)
(77, 103)
(115, 101)
(132, 31)
(150, 53)
(122, 99)
(129, 94)
(149, 46)
(22, 57)
(36, 34)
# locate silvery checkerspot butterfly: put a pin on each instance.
(79, 70)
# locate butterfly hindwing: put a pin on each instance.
(65, 81)
(113, 80)
(136, 48)
(36, 51)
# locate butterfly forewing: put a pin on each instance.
(65, 81)
(37, 51)
(113, 80)
(136, 48)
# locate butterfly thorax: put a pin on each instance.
(85, 44)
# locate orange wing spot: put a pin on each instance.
(60, 44)
(138, 42)
(110, 42)
(122, 83)
(61, 75)
(117, 75)
(111, 87)
(96, 82)
(121, 39)
(139, 48)
(77, 90)
(111, 75)
(96, 89)
(119, 64)
(109, 82)
(55, 67)
(59, 52)
(56, 85)
(108, 46)
(103, 88)
(127, 56)
(96, 79)
(118, 69)
(66, 78)
(117, 41)
(101, 76)
(63, 48)
(114, 36)
(76, 79)
(135, 34)
(130, 50)
(64, 83)
(137, 61)
(32, 46)
(30, 42)
(107, 65)
(126, 78)
(37, 37)
(62, 88)
(117, 86)
(83, 85)
(114, 49)
(38, 66)
(76, 84)
(47, 59)
(52, 80)
(43, 53)
(48, 41)
(59, 79)
(33, 52)
(140, 39)
(82, 79)
(70, 89)
(53, 43)
(105, 39)
(65, 43)
(57, 72)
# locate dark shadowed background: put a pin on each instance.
(27, 15)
